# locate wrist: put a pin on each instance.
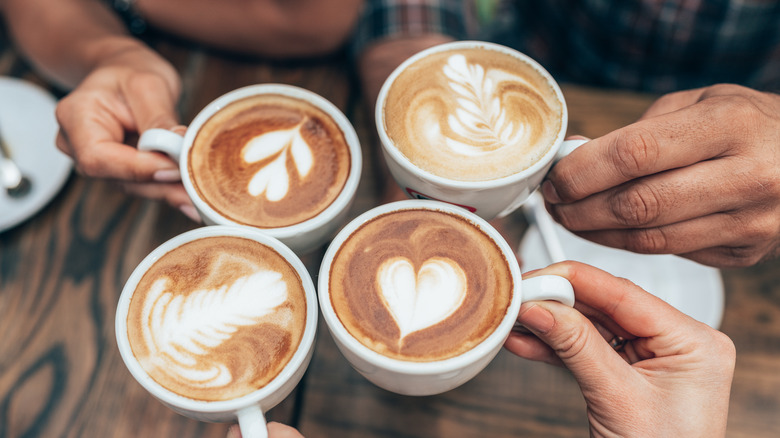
(128, 52)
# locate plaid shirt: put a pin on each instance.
(647, 45)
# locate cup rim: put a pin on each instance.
(350, 136)
(389, 147)
(299, 358)
(479, 351)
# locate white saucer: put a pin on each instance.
(28, 125)
(694, 289)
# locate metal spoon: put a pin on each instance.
(15, 182)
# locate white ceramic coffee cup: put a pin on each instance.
(487, 198)
(249, 409)
(427, 378)
(302, 237)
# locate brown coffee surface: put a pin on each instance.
(217, 318)
(393, 281)
(472, 114)
(269, 161)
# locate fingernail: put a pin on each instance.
(191, 213)
(549, 193)
(537, 319)
(167, 175)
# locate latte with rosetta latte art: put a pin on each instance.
(217, 318)
(420, 285)
(472, 114)
(269, 161)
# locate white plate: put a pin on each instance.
(694, 289)
(28, 125)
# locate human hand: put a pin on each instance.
(698, 175)
(672, 377)
(275, 430)
(128, 92)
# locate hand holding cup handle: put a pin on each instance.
(162, 140)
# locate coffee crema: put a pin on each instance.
(217, 318)
(420, 285)
(472, 114)
(269, 161)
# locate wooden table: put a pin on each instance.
(61, 273)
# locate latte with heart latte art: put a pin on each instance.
(420, 285)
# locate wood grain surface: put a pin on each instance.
(62, 270)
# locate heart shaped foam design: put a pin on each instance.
(419, 300)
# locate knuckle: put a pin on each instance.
(635, 206)
(144, 81)
(562, 216)
(635, 151)
(573, 342)
(724, 346)
(740, 110)
(741, 256)
(566, 182)
(647, 241)
(87, 164)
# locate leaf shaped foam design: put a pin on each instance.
(185, 327)
(479, 117)
(418, 300)
(273, 179)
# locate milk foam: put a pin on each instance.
(472, 114)
(273, 179)
(418, 300)
(184, 327)
(480, 119)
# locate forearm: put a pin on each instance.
(66, 39)
(278, 28)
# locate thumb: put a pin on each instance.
(575, 340)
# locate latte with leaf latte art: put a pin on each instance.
(472, 114)
(217, 318)
(269, 161)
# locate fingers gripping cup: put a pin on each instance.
(219, 324)
(275, 157)
(421, 295)
(471, 123)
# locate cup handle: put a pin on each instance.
(548, 287)
(567, 147)
(252, 422)
(162, 140)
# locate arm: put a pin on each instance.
(672, 378)
(66, 39)
(122, 88)
(276, 28)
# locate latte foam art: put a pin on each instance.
(419, 285)
(183, 329)
(273, 178)
(269, 161)
(480, 123)
(418, 300)
(472, 114)
(217, 318)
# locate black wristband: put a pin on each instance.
(129, 14)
